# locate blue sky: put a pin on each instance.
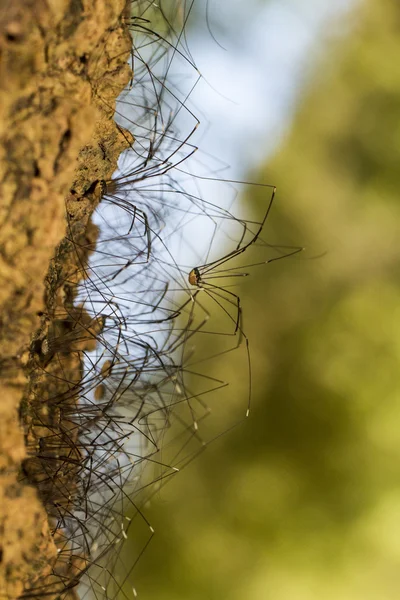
(250, 88)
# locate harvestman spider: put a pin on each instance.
(199, 277)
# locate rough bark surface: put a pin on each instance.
(63, 62)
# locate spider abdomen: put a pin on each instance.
(194, 277)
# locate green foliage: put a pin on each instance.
(302, 501)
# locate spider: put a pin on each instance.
(201, 275)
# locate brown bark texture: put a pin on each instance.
(63, 63)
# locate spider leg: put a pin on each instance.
(227, 272)
(204, 269)
(216, 292)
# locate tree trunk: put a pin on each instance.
(63, 62)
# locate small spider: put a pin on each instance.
(203, 275)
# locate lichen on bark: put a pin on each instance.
(63, 63)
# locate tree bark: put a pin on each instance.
(63, 62)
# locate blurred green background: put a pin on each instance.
(302, 501)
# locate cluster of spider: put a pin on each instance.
(121, 401)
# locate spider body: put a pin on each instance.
(195, 277)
